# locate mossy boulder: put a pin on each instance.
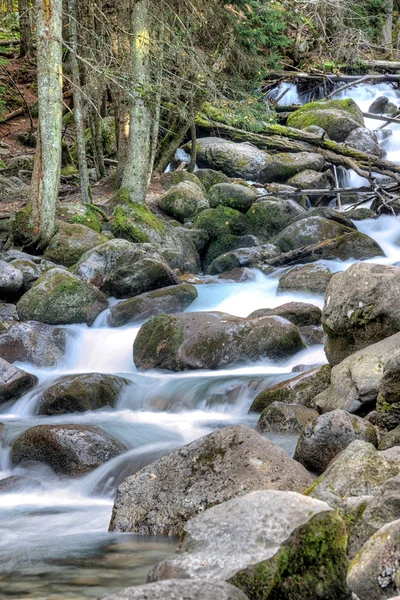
(285, 418)
(228, 243)
(239, 197)
(328, 213)
(134, 222)
(366, 141)
(81, 214)
(301, 389)
(312, 279)
(360, 214)
(308, 231)
(329, 434)
(311, 180)
(33, 342)
(282, 166)
(173, 178)
(299, 313)
(361, 308)
(305, 555)
(390, 439)
(212, 340)
(268, 217)
(80, 393)
(171, 299)
(337, 117)
(209, 177)
(183, 201)
(242, 257)
(70, 242)
(68, 449)
(60, 298)
(221, 465)
(388, 404)
(31, 269)
(221, 220)
(235, 160)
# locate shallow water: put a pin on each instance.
(54, 541)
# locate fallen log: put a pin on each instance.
(386, 65)
(381, 118)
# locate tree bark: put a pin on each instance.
(25, 31)
(46, 173)
(86, 194)
(387, 29)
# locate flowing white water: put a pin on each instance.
(54, 539)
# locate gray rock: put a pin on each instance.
(328, 435)
(168, 300)
(11, 280)
(14, 382)
(299, 313)
(379, 105)
(360, 214)
(312, 335)
(80, 393)
(195, 589)
(68, 449)
(174, 178)
(137, 277)
(307, 231)
(283, 166)
(361, 308)
(330, 214)
(210, 340)
(242, 257)
(239, 274)
(375, 572)
(364, 140)
(355, 381)
(299, 390)
(36, 343)
(8, 316)
(388, 405)
(235, 160)
(239, 197)
(268, 217)
(208, 177)
(184, 201)
(285, 418)
(226, 463)
(250, 541)
(70, 242)
(31, 271)
(313, 279)
(311, 180)
(59, 298)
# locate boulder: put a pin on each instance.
(71, 242)
(24, 162)
(195, 589)
(328, 435)
(388, 405)
(270, 544)
(60, 298)
(36, 343)
(312, 335)
(220, 221)
(210, 340)
(172, 299)
(8, 316)
(31, 270)
(337, 117)
(239, 197)
(390, 439)
(68, 449)
(356, 380)
(378, 106)
(328, 213)
(364, 140)
(227, 463)
(11, 281)
(80, 393)
(208, 177)
(14, 382)
(360, 308)
(311, 180)
(307, 231)
(174, 178)
(312, 279)
(269, 217)
(235, 160)
(242, 257)
(283, 166)
(299, 390)
(285, 418)
(18, 483)
(238, 275)
(184, 201)
(139, 276)
(360, 214)
(299, 313)
(375, 572)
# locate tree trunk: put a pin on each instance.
(86, 194)
(134, 160)
(25, 31)
(387, 29)
(46, 173)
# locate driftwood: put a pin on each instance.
(385, 65)
(381, 118)
(311, 253)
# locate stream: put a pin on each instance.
(54, 539)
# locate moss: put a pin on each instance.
(22, 229)
(225, 243)
(133, 221)
(90, 219)
(2, 164)
(160, 336)
(249, 114)
(69, 170)
(219, 221)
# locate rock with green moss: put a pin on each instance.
(221, 220)
(308, 231)
(31, 270)
(235, 160)
(355, 382)
(285, 418)
(375, 571)
(242, 257)
(70, 242)
(243, 245)
(388, 404)
(8, 316)
(60, 298)
(209, 177)
(391, 439)
(73, 212)
(168, 300)
(269, 217)
(329, 434)
(311, 180)
(270, 544)
(301, 389)
(211, 340)
(312, 279)
(360, 214)
(183, 201)
(239, 197)
(221, 465)
(80, 393)
(328, 213)
(299, 313)
(283, 166)
(361, 308)
(337, 117)
(173, 178)
(36, 343)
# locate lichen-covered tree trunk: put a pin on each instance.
(86, 195)
(46, 173)
(136, 115)
(387, 29)
(25, 31)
